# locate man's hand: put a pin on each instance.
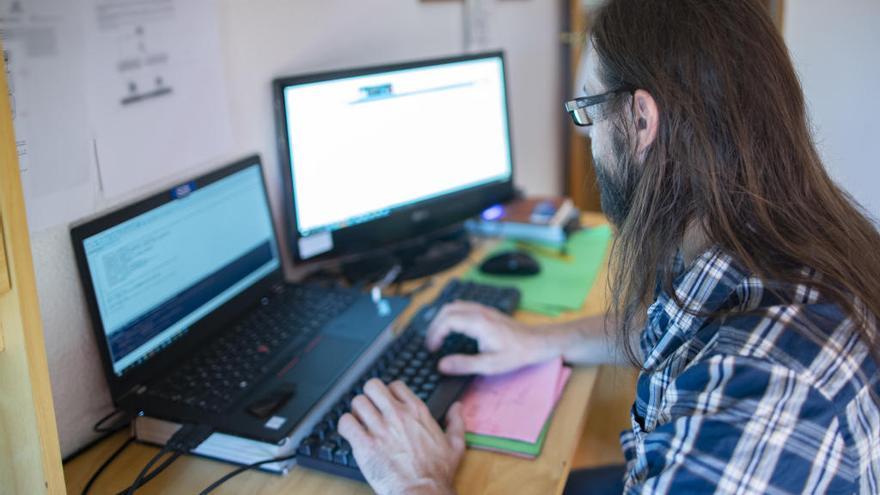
(505, 344)
(398, 445)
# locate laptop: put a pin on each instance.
(195, 322)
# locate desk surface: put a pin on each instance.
(481, 472)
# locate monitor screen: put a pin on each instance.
(156, 274)
(365, 144)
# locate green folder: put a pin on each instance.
(507, 445)
(566, 275)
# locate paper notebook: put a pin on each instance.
(511, 412)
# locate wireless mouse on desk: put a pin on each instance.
(511, 263)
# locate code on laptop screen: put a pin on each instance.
(158, 273)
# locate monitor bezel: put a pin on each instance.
(403, 223)
(199, 332)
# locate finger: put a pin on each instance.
(455, 427)
(453, 309)
(438, 329)
(352, 430)
(475, 364)
(462, 317)
(404, 394)
(380, 395)
(366, 412)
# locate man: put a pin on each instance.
(745, 283)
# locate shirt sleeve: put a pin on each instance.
(733, 424)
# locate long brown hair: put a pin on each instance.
(734, 153)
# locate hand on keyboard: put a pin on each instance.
(408, 361)
(398, 445)
(504, 343)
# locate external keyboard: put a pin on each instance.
(216, 377)
(408, 360)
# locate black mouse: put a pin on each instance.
(511, 263)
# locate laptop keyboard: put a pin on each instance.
(408, 360)
(216, 377)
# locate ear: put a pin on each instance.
(647, 119)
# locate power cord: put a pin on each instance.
(113, 456)
(125, 420)
(142, 475)
(101, 469)
(242, 469)
(187, 438)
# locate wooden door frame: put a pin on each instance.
(30, 456)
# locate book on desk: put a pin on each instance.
(547, 220)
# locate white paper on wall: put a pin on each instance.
(156, 90)
(43, 48)
(111, 98)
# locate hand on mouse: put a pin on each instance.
(505, 344)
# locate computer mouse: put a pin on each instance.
(511, 263)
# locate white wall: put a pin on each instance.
(263, 39)
(835, 49)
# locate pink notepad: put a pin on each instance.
(514, 405)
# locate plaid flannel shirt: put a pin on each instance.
(773, 397)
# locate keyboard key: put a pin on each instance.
(307, 447)
(341, 455)
(325, 451)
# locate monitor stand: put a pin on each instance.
(418, 258)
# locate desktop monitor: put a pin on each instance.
(374, 156)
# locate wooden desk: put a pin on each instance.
(480, 473)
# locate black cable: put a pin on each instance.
(155, 472)
(101, 469)
(184, 440)
(167, 462)
(242, 469)
(126, 420)
(140, 477)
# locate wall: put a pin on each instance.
(263, 39)
(834, 46)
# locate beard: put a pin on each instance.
(617, 180)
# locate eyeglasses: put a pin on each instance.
(579, 108)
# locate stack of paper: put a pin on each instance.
(511, 413)
(566, 275)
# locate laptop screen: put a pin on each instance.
(156, 274)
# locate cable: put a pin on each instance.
(184, 440)
(126, 419)
(101, 469)
(167, 462)
(242, 469)
(140, 477)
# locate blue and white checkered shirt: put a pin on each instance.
(773, 397)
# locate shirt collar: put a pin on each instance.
(707, 286)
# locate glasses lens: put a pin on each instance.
(580, 117)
